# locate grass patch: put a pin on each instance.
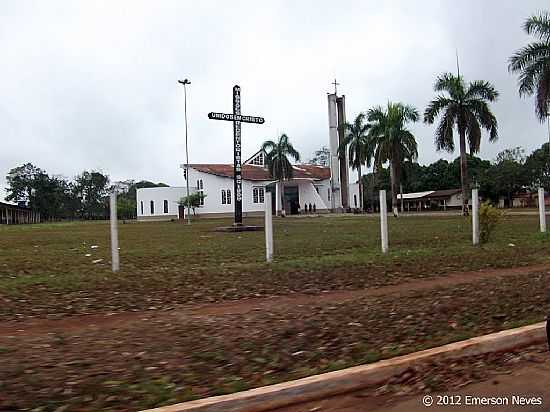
(48, 270)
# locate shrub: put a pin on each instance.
(489, 217)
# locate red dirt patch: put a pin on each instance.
(243, 306)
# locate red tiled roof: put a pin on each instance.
(251, 172)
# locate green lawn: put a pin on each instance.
(159, 357)
(44, 268)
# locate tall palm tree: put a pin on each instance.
(393, 142)
(277, 160)
(357, 144)
(466, 107)
(532, 63)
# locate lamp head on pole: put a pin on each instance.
(184, 82)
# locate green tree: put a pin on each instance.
(92, 190)
(508, 174)
(466, 107)
(413, 177)
(21, 182)
(126, 208)
(193, 200)
(537, 167)
(278, 155)
(392, 141)
(532, 63)
(321, 157)
(439, 175)
(359, 149)
(51, 196)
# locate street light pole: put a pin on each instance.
(185, 83)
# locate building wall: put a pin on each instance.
(354, 195)
(213, 186)
(158, 195)
(307, 191)
(455, 200)
(316, 193)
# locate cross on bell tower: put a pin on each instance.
(335, 83)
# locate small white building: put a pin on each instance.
(160, 203)
(432, 199)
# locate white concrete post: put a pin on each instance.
(384, 221)
(114, 233)
(475, 217)
(268, 228)
(542, 215)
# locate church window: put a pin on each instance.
(258, 195)
(141, 206)
(228, 196)
(258, 160)
(328, 193)
(200, 188)
(224, 197)
(152, 207)
(166, 206)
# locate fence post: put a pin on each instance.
(268, 228)
(384, 221)
(542, 215)
(114, 233)
(475, 217)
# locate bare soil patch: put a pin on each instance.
(155, 361)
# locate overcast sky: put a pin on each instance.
(93, 85)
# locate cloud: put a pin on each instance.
(94, 84)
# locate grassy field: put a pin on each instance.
(164, 353)
(48, 270)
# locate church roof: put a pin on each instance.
(258, 173)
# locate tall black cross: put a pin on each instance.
(237, 118)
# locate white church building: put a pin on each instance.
(319, 188)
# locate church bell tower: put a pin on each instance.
(339, 170)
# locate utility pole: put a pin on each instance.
(185, 83)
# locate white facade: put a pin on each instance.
(159, 203)
(219, 196)
(212, 185)
(333, 147)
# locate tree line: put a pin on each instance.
(380, 135)
(510, 173)
(59, 198)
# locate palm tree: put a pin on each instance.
(466, 108)
(277, 159)
(357, 144)
(532, 62)
(393, 142)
